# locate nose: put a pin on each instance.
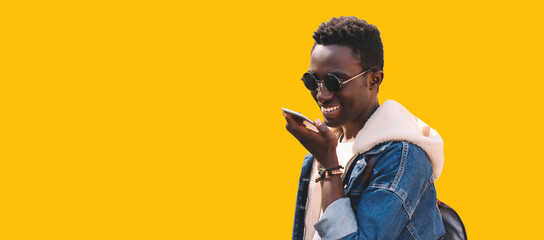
(323, 94)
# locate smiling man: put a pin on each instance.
(371, 169)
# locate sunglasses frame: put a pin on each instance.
(327, 78)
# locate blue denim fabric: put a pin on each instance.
(399, 203)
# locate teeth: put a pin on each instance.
(324, 109)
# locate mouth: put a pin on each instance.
(329, 109)
(331, 112)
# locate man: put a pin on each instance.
(346, 70)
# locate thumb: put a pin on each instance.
(320, 126)
(323, 129)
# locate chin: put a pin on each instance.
(332, 123)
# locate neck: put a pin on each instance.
(351, 129)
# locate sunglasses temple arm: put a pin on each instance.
(344, 82)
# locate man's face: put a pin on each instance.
(353, 99)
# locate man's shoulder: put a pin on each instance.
(397, 150)
(402, 166)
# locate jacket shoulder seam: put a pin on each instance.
(400, 171)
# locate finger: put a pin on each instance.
(300, 132)
(292, 125)
(324, 130)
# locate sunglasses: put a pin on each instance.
(331, 82)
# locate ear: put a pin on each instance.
(376, 80)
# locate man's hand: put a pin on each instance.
(321, 145)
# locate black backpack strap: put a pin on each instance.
(366, 175)
(368, 171)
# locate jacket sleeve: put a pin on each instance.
(381, 211)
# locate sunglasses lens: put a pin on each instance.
(332, 83)
(309, 81)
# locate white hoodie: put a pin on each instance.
(393, 122)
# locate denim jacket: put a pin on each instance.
(399, 202)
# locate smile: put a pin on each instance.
(329, 109)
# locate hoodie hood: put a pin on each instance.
(393, 122)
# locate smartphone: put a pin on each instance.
(306, 121)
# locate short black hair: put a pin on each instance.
(363, 38)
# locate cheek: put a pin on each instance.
(350, 99)
(346, 97)
(314, 95)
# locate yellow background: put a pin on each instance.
(161, 120)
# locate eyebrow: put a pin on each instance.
(338, 74)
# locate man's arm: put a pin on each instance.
(322, 146)
(383, 209)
